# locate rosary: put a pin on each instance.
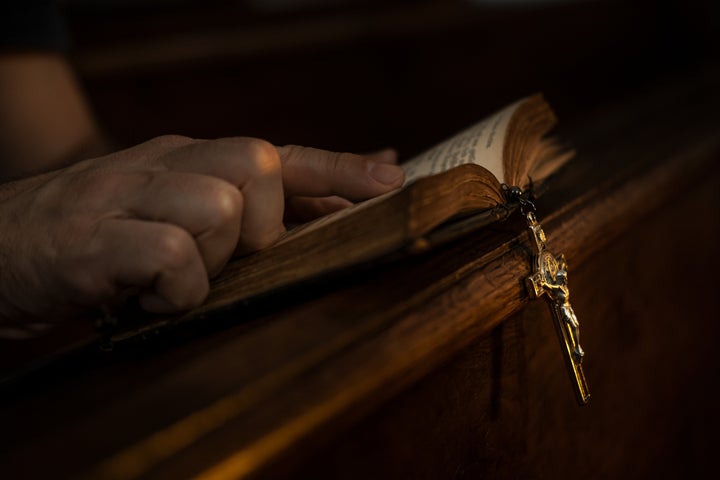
(549, 279)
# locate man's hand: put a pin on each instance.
(161, 218)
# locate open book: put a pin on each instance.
(450, 189)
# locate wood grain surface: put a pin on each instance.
(434, 366)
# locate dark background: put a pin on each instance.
(362, 75)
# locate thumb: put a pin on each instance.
(320, 173)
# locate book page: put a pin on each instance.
(481, 144)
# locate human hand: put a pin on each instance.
(161, 218)
(319, 182)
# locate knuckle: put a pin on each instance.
(260, 147)
(335, 162)
(259, 157)
(294, 153)
(175, 248)
(340, 162)
(225, 204)
(263, 159)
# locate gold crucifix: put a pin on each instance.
(549, 279)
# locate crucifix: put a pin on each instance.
(549, 280)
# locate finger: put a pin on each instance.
(208, 208)
(159, 258)
(319, 173)
(304, 209)
(386, 155)
(253, 166)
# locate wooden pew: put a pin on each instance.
(437, 366)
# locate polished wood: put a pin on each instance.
(435, 365)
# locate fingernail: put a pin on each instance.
(386, 173)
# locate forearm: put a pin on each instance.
(45, 121)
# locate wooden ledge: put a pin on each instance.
(257, 397)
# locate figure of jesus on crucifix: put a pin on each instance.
(560, 295)
(550, 278)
